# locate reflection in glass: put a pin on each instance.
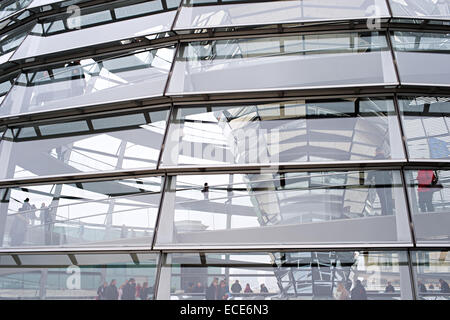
(100, 14)
(266, 12)
(422, 57)
(116, 21)
(423, 9)
(293, 131)
(91, 277)
(429, 192)
(107, 143)
(341, 275)
(104, 213)
(282, 62)
(432, 273)
(283, 209)
(87, 82)
(9, 7)
(426, 124)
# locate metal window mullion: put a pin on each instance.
(164, 185)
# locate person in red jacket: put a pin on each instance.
(425, 191)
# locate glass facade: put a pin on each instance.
(224, 150)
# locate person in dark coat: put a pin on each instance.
(358, 292)
(223, 291)
(101, 291)
(129, 290)
(389, 288)
(422, 287)
(263, 288)
(444, 286)
(111, 292)
(236, 287)
(199, 288)
(212, 291)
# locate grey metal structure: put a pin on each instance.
(298, 148)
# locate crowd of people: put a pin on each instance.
(443, 287)
(219, 290)
(129, 290)
(26, 217)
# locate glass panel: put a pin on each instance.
(8, 7)
(305, 208)
(115, 143)
(100, 214)
(426, 123)
(53, 36)
(60, 279)
(423, 58)
(428, 9)
(88, 82)
(268, 12)
(289, 62)
(429, 193)
(341, 275)
(293, 131)
(138, 9)
(432, 272)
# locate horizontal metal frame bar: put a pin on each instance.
(248, 96)
(231, 169)
(277, 247)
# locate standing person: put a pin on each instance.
(198, 288)
(341, 292)
(383, 184)
(129, 290)
(389, 287)
(205, 191)
(263, 288)
(101, 291)
(223, 292)
(111, 292)
(236, 287)
(32, 214)
(358, 292)
(422, 288)
(47, 222)
(121, 289)
(424, 191)
(138, 290)
(444, 286)
(20, 224)
(212, 291)
(248, 289)
(144, 291)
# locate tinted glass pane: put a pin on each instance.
(432, 272)
(429, 192)
(287, 208)
(88, 82)
(430, 9)
(293, 131)
(282, 63)
(8, 7)
(277, 12)
(55, 277)
(131, 19)
(354, 275)
(423, 58)
(114, 143)
(101, 214)
(426, 124)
